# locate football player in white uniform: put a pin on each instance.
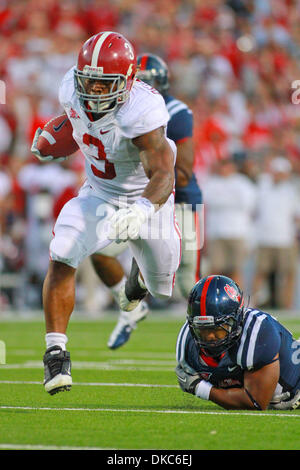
(120, 127)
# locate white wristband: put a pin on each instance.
(202, 390)
(146, 205)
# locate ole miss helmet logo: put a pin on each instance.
(232, 293)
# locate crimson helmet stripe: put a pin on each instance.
(144, 61)
(97, 48)
(204, 294)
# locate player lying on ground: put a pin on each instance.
(237, 357)
(120, 126)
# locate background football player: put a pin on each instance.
(237, 357)
(111, 263)
(120, 127)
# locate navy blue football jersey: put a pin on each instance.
(180, 126)
(262, 338)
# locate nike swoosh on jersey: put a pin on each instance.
(103, 132)
(57, 128)
(230, 369)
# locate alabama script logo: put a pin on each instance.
(73, 114)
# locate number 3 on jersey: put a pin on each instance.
(109, 172)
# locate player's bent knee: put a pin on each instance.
(160, 296)
(66, 250)
(58, 272)
(113, 249)
(160, 288)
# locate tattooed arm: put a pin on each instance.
(158, 161)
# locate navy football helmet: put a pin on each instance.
(215, 302)
(154, 71)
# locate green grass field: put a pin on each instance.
(123, 399)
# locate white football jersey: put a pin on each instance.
(112, 161)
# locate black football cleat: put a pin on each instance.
(132, 293)
(57, 369)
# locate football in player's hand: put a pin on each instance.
(56, 138)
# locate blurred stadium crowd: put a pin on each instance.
(233, 62)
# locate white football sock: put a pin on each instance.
(56, 339)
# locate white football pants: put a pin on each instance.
(82, 229)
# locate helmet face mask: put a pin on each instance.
(105, 72)
(114, 86)
(225, 332)
(148, 77)
(215, 314)
(153, 71)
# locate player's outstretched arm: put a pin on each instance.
(158, 160)
(258, 389)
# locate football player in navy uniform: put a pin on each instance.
(234, 356)
(188, 196)
(188, 199)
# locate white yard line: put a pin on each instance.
(175, 412)
(150, 366)
(126, 355)
(42, 447)
(90, 384)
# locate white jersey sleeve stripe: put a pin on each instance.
(97, 48)
(173, 103)
(176, 109)
(252, 341)
(243, 338)
(180, 345)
